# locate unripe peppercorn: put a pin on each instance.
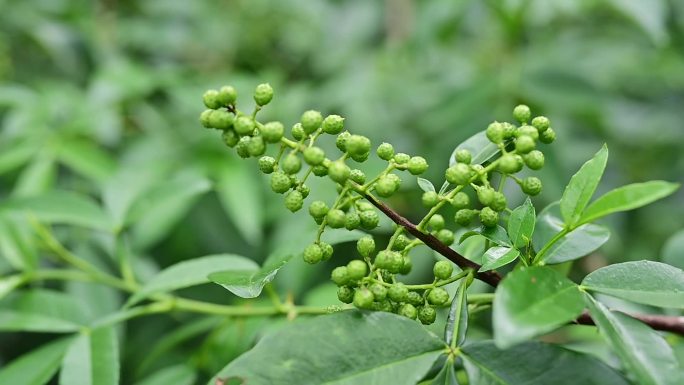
(430, 198)
(389, 260)
(357, 176)
(401, 158)
(341, 141)
(407, 310)
(443, 269)
(345, 294)
(495, 132)
(485, 195)
(244, 125)
(318, 209)
(464, 216)
(211, 99)
(267, 164)
(221, 119)
(397, 292)
(508, 164)
(529, 131)
(335, 218)
(400, 242)
(522, 113)
(534, 159)
(427, 315)
(338, 171)
(363, 298)
(256, 146)
(364, 206)
(304, 190)
(327, 250)
(314, 156)
(298, 131)
(489, 217)
(541, 123)
(414, 298)
(369, 219)
(499, 202)
(383, 305)
(311, 120)
(313, 254)
(461, 200)
(352, 220)
(294, 201)
(280, 182)
(438, 296)
(263, 94)
(340, 276)
(463, 156)
(320, 170)
(205, 118)
(242, 147)
(356, 269)
(509, 130)
(524, 144)
(379, 291)
(385, 151)
(547, 136)
(291, 164)
(386, 186)
(227, 95)
(458, 174)
(273, 132)
(365, 246)
(531, 185)
(445, 236)
(358, 145)
(406, 265)
(436, 222)
(230, 138)
(333, 124)
(360, 158)
(417, 165)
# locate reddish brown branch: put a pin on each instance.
(658, 322)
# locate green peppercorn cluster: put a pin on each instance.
(371, 280)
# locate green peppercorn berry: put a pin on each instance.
(311, 120)
(280, 182)
(357, 176)
(524, 144)
(304, 190)
(461, 200)
(534, 159)
(267, 164)
(256, 146)
(358, 145)
(509, 130)
(463, 156)
(508, 164)
(365, 246)
(436, 222)
(383, 305)
(489, 217)
(221, 119)
(445, 236)
(385, 151)
(341, 141)
(298, 131)
(345, 294)
(230, 138)
(352, 220)
(294, 201)
(333, 124)
(363, 298)
(291, 164)
(360, 158)
(356, 269)
(227, 95)
(273, 132)
(211, 99)
(547, 136)
(338, 171)
(386, 186)
(427, 315)
(313, 253)
(369, 219)
(400, 242)
(314, 156)
(364, 206)
(379, 291)
(464, 216)
(414, 298)
(495, 132)
(407, 310)
(438, 296)
(485, 195)
(242, 147)
(430, 198)
(417, 165)
(529, 131)
(389, 260)
(263, 94)
(205, 118)
(541, 123)
(522, 113)
(320, 170)
(318, 209)
(406, 265)
(244, 125)
(499, 202)
(458, 174)
(340, 276)
(397, 292)
(327, 250)
(401, 158)
(335, 218)
(443, 269)
(531, 185)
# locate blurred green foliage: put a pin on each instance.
(101, 98)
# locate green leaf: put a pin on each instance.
(360, 348)
(446, 376)
(457, 319)
(36, 367)
(173, 375)
(495, 234)
(60, 207)
(481, 148)
(642, 351)
(9, 283)
(521, 224)
(497, 256)
(92, 359)
(17, 243)
(582, 186)
(16, 153)
(628, 197)
(674, 249)
(647, 282)
(535, 363)
(43, 311)
(87, 159)
(14, 321)
(249, 283)
(241, 197)
(192, 273)
(38, 177)
(532, 301)
(425, 185)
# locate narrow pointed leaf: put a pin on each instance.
(480, 147)
(92, 359)
(176, 375)
(495, 234)
(497, 256)
(425, 185)
(457, 319)
(628, 198)
(582, 186)
(446, 376)
(36, 367)
(521, 224)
